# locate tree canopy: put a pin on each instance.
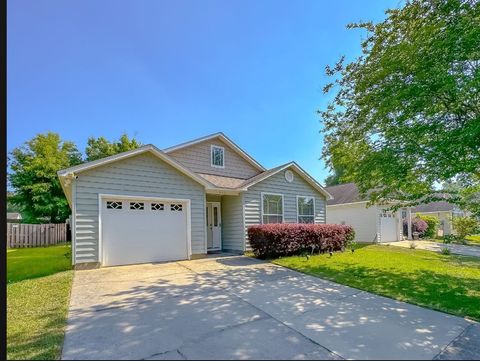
(34, 166)
(405, 115)
(100, 147)
(338, 173)
(34, 177)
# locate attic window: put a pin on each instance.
(217, 155)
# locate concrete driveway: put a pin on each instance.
(240, 308)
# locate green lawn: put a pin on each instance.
(446, 283)
(38, 293)
(474, 239)
(27, 263)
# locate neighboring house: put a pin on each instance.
(149, 205)
(371, 224)
(14, 217)
(444, 211)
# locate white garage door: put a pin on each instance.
(388, 227)
(139, 231)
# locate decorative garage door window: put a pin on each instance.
(272, 208)
(305, 210)
(114, 205)
(176, 207)
(138, 206)
(157, 206)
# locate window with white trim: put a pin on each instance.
(305, 209)
(272, 208)
(218, 156)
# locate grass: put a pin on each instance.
(474, 239)
(446, 283)
(28, 263)
(38, 294)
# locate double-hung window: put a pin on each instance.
(272, 208)
(217, 157)
(305, 209)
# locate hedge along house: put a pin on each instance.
(149, 205)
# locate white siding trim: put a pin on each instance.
(345, 204)
(314, 213)
(272, 194)
(73, 226)
(103, 195)
(212, 146)
(243, 223)
(205, 222)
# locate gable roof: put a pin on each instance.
(223, 138)
(143, 149)
(344, 193)
(309, 179)
(213, 183)
(65, 175)
(14, 215)
(440, 206)
(348, 193)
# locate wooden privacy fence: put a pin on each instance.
(21, 235)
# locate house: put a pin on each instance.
(375, 223)
(151, 205)
(14, 217)
(444, 211)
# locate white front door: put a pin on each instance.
(214, 226)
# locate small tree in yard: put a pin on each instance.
(465, 226)
(432, 223)
(34, 177)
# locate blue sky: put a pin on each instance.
(171, 71)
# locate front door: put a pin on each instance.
(214, 226)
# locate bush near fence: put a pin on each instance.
(20, 235)
(281, 239)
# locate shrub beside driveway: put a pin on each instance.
(38, 295)
(445, 283)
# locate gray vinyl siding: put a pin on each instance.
(142, 175)
(290, 191)
(197, 158)
(232, 223)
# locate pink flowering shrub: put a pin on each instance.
(418, 225)
(286, 239)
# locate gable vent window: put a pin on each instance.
(218, 156)
(158, 206)
(138, 206)
(175, 207)
(114, 205)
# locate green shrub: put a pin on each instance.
(433, 223)
(449, 238)
(464, 226)
(445, 251)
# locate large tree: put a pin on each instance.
(101, 147)
(405, 115)
(336, 177)
(33, 177)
